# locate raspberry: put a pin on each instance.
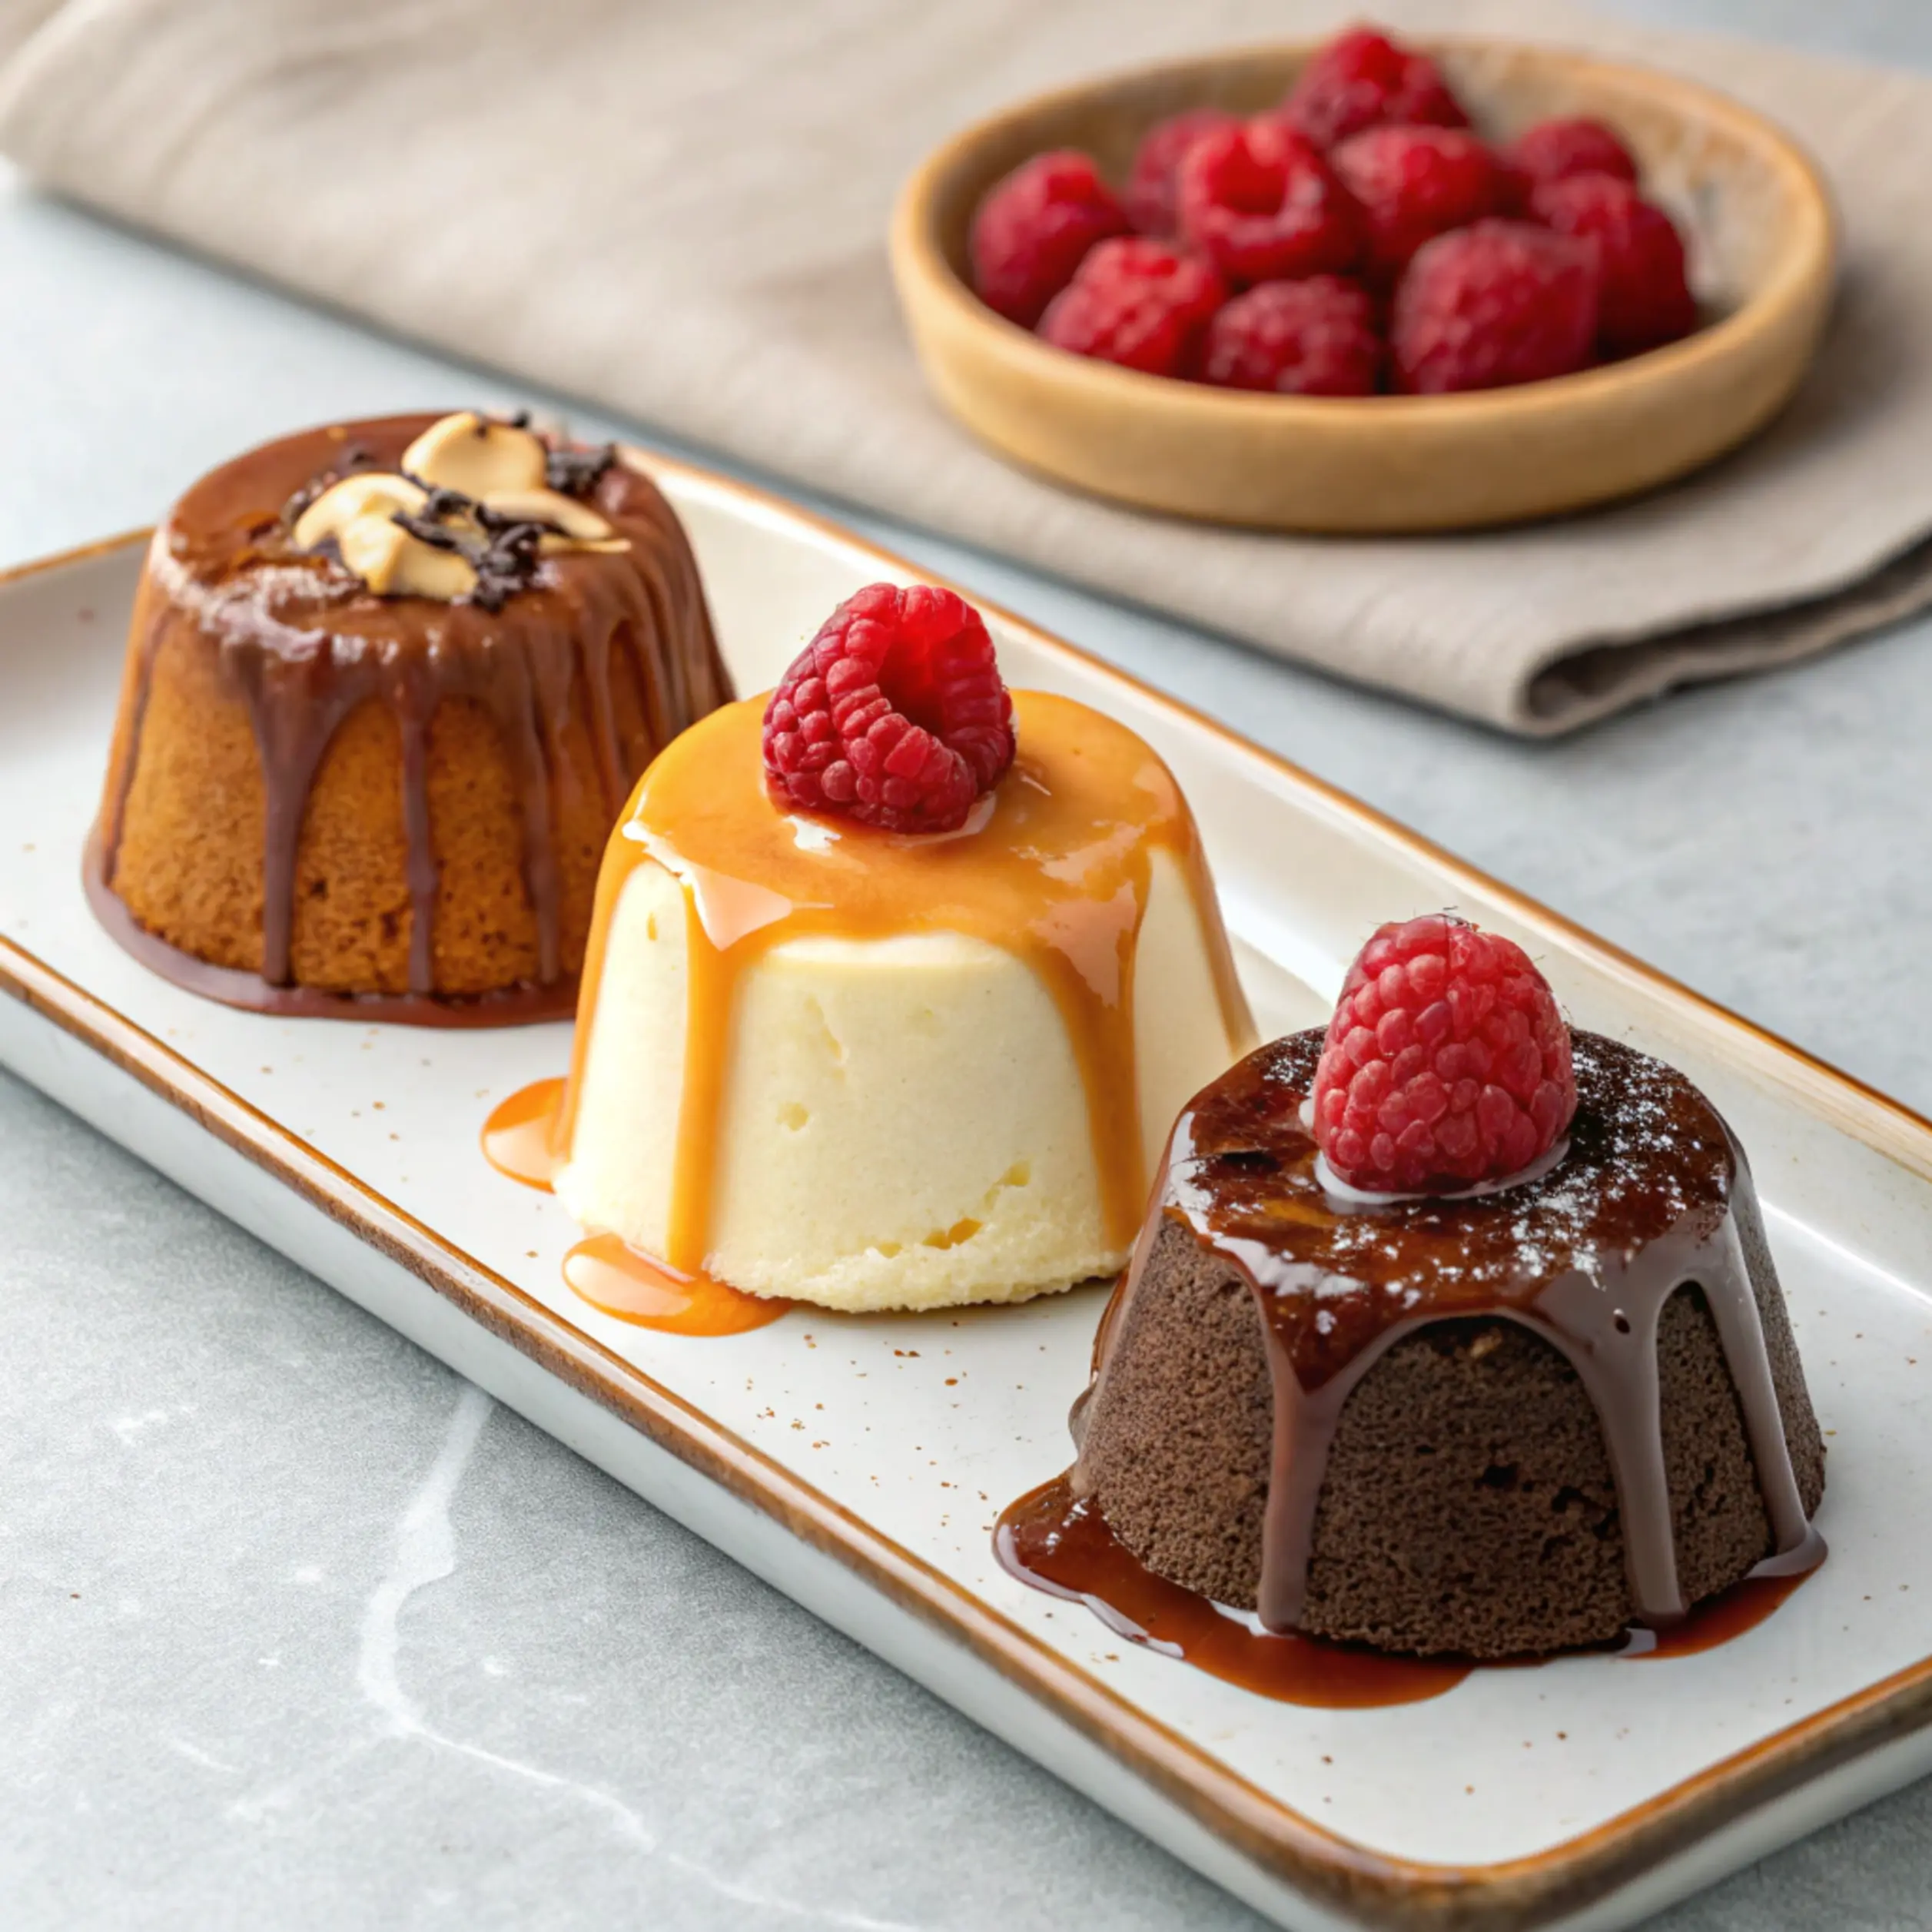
(1137, 303)
(1413, 183)
(1502, 302)
(1446, 1063)
(1645, 299)
(1258, 201)
(1150, 186)
(1552, 150)
(1316, 337)
(894, 714)
(1362, 79)
(1031, 229)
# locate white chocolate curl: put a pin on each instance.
(395, 564)
(370, 494)
(495, 464)
(563, 514)
(470, 453)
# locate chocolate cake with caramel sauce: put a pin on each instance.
(1506, 1423)
(388, 684)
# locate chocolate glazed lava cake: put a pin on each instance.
(1451, 1333)
(389, 685)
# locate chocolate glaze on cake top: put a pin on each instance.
(1646, 1197)
(304, 641)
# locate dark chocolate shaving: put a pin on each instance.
(425, 530)
(507, 558)
(507, 563)
(573, 471)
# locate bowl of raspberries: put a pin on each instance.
(1364, 285)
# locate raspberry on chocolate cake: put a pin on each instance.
(1545, 1391)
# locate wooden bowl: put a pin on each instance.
(1762, 241)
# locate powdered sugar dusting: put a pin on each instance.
(1648, 1155)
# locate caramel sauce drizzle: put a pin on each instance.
(300, 641)
(519, 1140)
(1055, 870)
(614, 1277)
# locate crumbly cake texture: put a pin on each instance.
(1468, 1505)
(226, 613)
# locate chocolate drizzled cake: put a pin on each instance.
(389, 685)
(1511, 1421)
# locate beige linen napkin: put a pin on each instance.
(679, 212)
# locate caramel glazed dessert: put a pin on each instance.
(388, 685)
(1489, 1423)
(897, 981)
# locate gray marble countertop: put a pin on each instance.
(302, 1631)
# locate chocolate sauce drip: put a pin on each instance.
(413, 718)
(1649, 1197)
(303, 643)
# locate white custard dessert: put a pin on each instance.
(822, 1062)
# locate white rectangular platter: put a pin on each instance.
(857, 1463)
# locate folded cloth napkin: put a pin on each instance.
(679, 212)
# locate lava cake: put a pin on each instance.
(388, 684)
(1449, 1332)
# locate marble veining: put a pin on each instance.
(425, 1553)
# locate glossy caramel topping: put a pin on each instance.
(634, 1288)
(519, 1138)
(1747, 1604)
(1054, 867)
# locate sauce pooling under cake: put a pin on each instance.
(1500, 1421)
(1058, 877)
(839, 1061)
(375, 726)
(1652, 1194)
